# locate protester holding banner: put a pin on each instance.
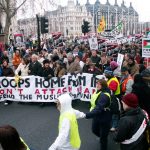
(35, 67)
(23, 68)
(72, 66)
(4, 57)
(100, 112)
(10, 139)
(60, 69)
(68, 137)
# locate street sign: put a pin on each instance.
(146, 47)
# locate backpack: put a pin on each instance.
(115, 105)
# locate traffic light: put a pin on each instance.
(85, 27)
(44, 25)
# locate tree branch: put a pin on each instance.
(15, 10)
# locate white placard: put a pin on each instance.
(93, 43)
(120, 60)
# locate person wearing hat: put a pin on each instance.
(114, 86)
(68, 137)
(126, 81)
(131, 127)
(100, 112)
(47, 72)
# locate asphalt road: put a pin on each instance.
(39, 126)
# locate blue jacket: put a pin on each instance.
(99, 112)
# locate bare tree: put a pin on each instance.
(9, 9)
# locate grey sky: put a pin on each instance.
(141, 6)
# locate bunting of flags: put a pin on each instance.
(101, 26)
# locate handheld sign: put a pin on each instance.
(146, 47)
(93, 43)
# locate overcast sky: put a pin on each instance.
(141, 6)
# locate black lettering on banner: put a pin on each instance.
(93, 81)
(7, 96)
(62, 82)
(46, 83)
(26, 97)
(12, 83)
(38, 83)
(82, 80)
(5, 83)
(27, 81)
(69, 80)
(54, 82)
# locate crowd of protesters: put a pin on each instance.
(131, 82)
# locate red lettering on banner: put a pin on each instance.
(44, 91)
(70, 89)
(86, 91)
(64, 90)
(9, 91)
(59, 91)
(1, 91)
(20, 91)
(37, 91)
(52, 91)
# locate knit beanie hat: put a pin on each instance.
(108, 71)
(131, 100)
(113, 65)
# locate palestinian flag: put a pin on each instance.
(146, 43)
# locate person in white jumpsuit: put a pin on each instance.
(62, 142)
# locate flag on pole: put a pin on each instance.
(118, 29)
(101, 26)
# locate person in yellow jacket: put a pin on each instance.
(68, 137)
(10, 139)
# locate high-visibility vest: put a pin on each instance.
(124, 84)
(24, 143)
(74, 132)
(117, 92)
(94, 98)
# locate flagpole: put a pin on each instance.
(122, 19)
(93, 20)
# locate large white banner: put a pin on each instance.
(37, 89)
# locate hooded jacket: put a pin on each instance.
(62, 142)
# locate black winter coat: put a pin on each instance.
(35, 68)
(128, 125)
